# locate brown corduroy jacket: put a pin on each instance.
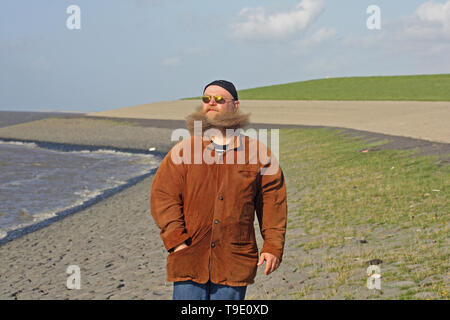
(212, 207)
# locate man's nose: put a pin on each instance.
(212, 102)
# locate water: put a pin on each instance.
(37, 184)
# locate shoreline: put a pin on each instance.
(441, 150)
(64, 212)
(58, 215)
(67, 147)
(114, 242)
(65, 131)
(113, 239)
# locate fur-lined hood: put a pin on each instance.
(222, 121)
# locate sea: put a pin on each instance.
(42, 182)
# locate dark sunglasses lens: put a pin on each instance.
(219, 99)
(206, 99)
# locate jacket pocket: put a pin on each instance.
(246, 249)
(193, 241)
(244, 244)
(180, 251)
(244, 179)
(190, 262)
(248, 170)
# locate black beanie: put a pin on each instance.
(226, 85)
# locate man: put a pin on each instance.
(206, 210)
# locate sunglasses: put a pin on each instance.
(217, 99)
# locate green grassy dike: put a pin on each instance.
(384, 88)
(347, 207)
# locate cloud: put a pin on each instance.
(171, 62)
(435, 12)
(426, 31)
(431, 20)
(256, 24)
(418, 41)
(320, 36)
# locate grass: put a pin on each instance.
(387, 88)
(395, 200)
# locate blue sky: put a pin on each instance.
(139, 51)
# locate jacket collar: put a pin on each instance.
(236, 143)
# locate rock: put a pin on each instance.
(426, 295)
(121, 286)
(24, 215)
(374, 262)
(3, 234)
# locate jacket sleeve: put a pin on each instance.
(271, 208)
(166, 202)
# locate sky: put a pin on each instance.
(112, 54)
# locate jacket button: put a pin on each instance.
(220, 198)
(213, 244)
(216, 221)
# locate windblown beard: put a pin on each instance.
(221, 121)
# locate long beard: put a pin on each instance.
(221, 121)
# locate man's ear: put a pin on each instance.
(236, 105)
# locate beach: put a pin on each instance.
(115, 242)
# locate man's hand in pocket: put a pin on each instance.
(180, 247)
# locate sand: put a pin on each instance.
(115, 242)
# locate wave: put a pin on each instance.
(86, 197)
(44, 219)
(19, 143)
(68, 147)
